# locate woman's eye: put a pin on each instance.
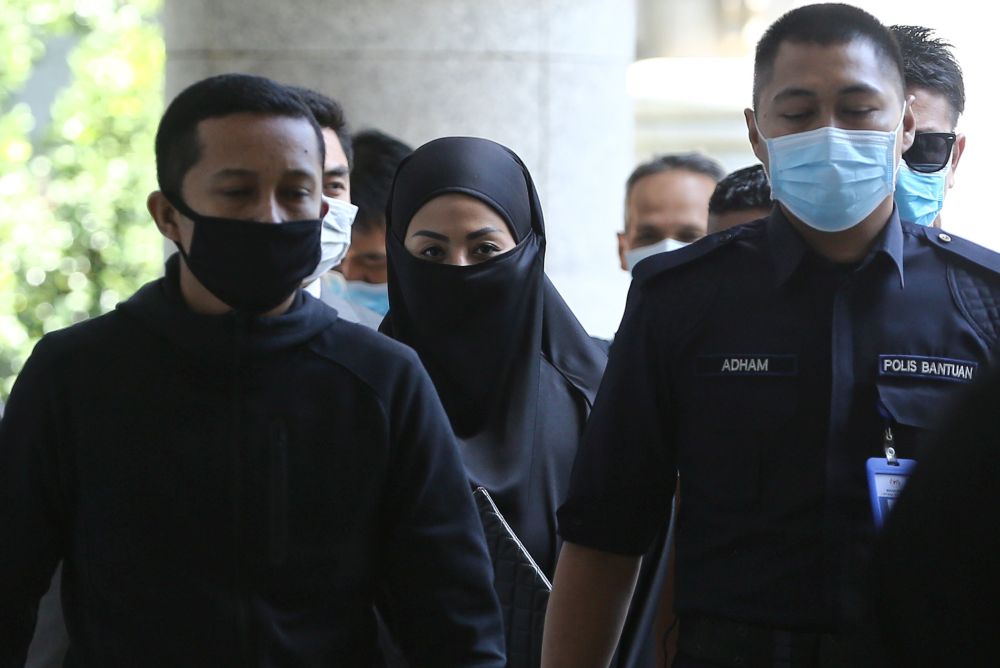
(487, 249)
(432, 253)
(333, 188)
(236, 192)
(859, 112)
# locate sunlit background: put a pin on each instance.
(81, 90)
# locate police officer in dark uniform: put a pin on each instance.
(764, 366)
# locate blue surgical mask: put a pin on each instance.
(919, 196)
(832, 179)
(372, 296)
(634, 256)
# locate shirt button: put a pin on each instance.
(944, 237)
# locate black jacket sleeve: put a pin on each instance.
(32, 509)
(938, 579)
(438, 595)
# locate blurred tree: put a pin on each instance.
(75, 237)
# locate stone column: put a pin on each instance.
(544, 77)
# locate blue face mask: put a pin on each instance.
(919, 197)
(832, 179)
(372, 296)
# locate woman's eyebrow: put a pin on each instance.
(432, 235)
(480, 233)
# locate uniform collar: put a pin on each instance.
(788, 248)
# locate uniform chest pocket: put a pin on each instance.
(916, 408)
(734, 426)
(744, 392)
(917, 392)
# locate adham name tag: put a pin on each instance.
(747, 365)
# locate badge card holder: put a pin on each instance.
(886, 478)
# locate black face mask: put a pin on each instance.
(250, 266)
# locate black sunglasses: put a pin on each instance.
(930, 152)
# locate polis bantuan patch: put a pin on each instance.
(917, 366)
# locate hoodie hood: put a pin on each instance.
(160, 307)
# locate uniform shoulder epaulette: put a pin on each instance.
(963, 248)
(662, 262)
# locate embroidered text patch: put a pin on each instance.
(917, 366)
(748, 365)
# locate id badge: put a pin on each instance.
(885, 483)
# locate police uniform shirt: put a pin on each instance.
(765, 376)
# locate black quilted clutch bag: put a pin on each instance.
(521, 586)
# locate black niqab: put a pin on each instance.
(515, 370)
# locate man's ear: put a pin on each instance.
(621, 250)
(753, 134)
(164, 215)
(324, 208)
(956, 154)
(909, 124)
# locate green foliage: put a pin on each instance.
(75, 237)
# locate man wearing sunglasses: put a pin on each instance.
(934, 80)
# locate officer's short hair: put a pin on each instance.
(826, 25)
(329, 114)
(742, 190)
(177, 145)
(929, 63)
(376, 157)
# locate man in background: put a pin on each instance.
(338, 233)
(666, 205)
(742, 196)
(376, 157)
(934, 79)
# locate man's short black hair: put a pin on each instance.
(329, 114)
(742, 190)
(826, 25)
(929, 63)
(376, 158)
(177, 145)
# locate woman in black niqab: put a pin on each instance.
(515, 370)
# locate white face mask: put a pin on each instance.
(335, 236)
(632, 257)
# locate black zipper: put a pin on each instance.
(236, 459)
(278, 492)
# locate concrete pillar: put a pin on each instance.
(545, 77)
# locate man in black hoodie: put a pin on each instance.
(231, 474)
